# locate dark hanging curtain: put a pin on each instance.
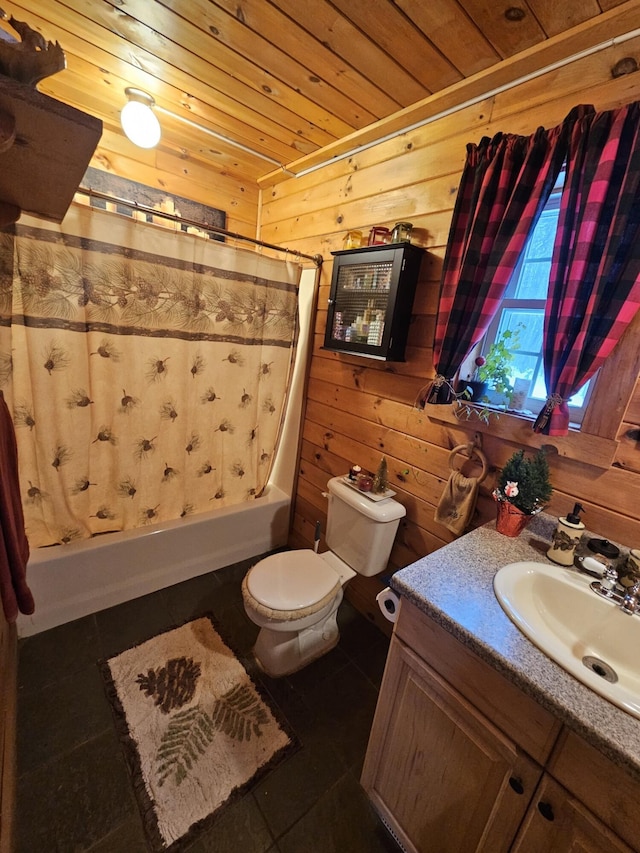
(594, 285)
(505, 184)
(15, 595)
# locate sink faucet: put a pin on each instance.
(606, 586)
(631, 601)
(609, 577)
(628, 601)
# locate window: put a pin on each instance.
(522, 312)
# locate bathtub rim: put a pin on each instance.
(67, 587)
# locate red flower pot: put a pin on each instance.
(510, 520)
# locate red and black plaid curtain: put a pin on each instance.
(505, 183)
(594, 286)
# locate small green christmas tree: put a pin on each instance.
(524, 481)
(381, 481)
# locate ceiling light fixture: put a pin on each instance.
(138, 119)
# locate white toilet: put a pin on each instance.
(294, 596)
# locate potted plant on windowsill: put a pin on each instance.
(492, 372)
(498, 362)
(523, 490)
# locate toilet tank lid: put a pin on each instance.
(386, 510)
(291, 580)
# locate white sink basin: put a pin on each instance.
(590, 637)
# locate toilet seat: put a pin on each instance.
(292, 581)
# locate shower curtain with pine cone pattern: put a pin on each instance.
(146, 370)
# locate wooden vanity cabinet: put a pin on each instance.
(605, 789)
(460, 760)
(557, 822)
(439, 773)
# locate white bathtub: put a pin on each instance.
(69, 581)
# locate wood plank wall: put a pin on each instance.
(359, 409)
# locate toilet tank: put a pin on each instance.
(360, 530)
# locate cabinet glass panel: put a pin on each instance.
(372, 292)
(361, 302)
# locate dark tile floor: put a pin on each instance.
(74, 794)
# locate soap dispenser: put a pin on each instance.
(566, 537)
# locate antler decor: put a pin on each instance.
(31, 59)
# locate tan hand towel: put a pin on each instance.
(458, 502)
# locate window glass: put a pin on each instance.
(532, 282)
(522, 312)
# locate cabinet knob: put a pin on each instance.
(516, 784)
(546, 810)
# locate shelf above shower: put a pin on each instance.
(45, 148)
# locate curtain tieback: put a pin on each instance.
(542, 420)
(440, 391)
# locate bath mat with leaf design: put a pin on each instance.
(196, 730)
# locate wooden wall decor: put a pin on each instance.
(32, 58)
(123, 188)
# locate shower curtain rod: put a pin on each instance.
(317, 259)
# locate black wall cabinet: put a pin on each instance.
(372, 292)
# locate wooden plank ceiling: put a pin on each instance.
(283, 78)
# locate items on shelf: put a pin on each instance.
(352, 240)
(364, 483)
(367, 277)
(379, 235)
(380, 480)
(368, 326)
(401, 232)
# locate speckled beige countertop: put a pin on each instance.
(454, 586)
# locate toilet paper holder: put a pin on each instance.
(388, 602)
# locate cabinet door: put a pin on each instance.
(558, 823)
(371, 298)
(442, 777)
(606, 789)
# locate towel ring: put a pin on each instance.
(472, 450)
